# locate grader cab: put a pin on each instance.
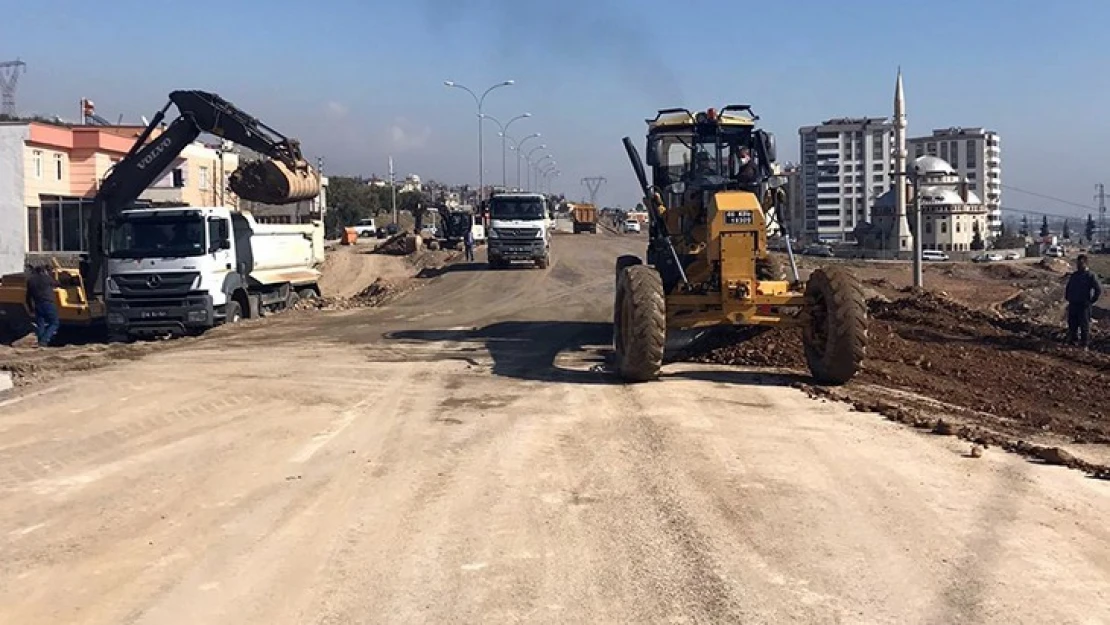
(711, 199)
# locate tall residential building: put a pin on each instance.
(846, 164)
(975, 155)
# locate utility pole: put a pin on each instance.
(1101, 197)
(392, 190)
(593, 185)
(9, 79)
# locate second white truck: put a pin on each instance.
(178, 271)
(518, 230)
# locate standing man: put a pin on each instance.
(1082, 292)
(40, 297)
(468, 243)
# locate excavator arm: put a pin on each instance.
(284, 178)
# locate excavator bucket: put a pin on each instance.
(273, 182)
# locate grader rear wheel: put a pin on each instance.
(641, 324)
(835, 329)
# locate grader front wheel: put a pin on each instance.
(640, 321)
(835, 330)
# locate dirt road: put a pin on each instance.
(456, 457)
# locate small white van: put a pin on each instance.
(935, 255)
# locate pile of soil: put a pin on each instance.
(1008, 376)
(378, 293)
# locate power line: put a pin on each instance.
(1049, 197)
(1025, 211)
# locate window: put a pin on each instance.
(877, 178)
(929, 227)
(957, 225)
(944, 151)
(202, 175)
(36, 158)
(178, 178)
(217, 232)
(944, 227)
(33, 244)
(877, 167)
(58, 170)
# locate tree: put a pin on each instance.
(1067, 231)
(1089, 230)
(1044, 227)
(1003, 231)
(977, 239)
(349, 199)
(1024, 230)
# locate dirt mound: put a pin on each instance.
(377, 293)
(349, 270)
(1055, 265)
(1007, 375)
(1005, 271)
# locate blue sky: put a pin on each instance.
(359, 81)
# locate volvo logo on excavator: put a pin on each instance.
(155, 152)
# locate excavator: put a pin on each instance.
(284, 176)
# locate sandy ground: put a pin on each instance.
(459, 456)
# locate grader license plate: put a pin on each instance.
(739, 218)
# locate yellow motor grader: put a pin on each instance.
(712, 195)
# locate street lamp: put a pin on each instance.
(516, 148)
(479, 100)
(504, 135)
(546, 173)
(531, 164)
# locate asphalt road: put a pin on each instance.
(459, 457)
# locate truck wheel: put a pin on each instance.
(834, 333)
(307, 294)
(544, 263)
(641, 324)
(293, 299)
(233, 312)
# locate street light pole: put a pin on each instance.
(538, 172)
(528, 159)
(504, 128)
(519, 145)
(479, 101)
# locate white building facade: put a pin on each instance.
(975, 154)
(846, 165)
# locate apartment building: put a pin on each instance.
(976, 155)
(846, 164)
(49, 175)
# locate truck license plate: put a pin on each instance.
(152, 314)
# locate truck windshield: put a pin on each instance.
(516, 208)
(163, 236)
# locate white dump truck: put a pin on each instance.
(177, 271)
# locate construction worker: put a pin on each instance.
(40, 297)
(1082, 292)
(468, 243)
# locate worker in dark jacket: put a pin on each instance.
(1082, 292)
(40, 296)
